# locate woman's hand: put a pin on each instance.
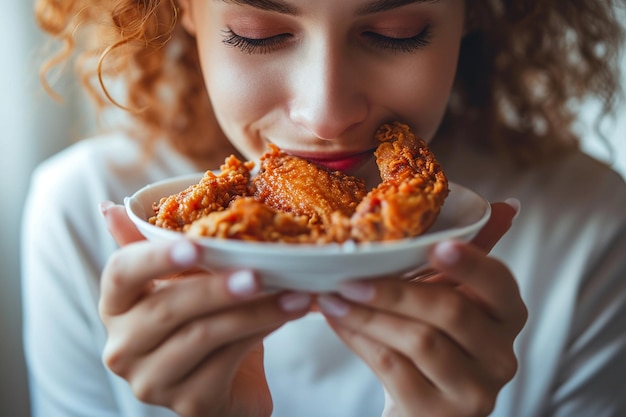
(444, 346)
(191, 343)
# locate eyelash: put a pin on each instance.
(254, 46)
(401, 45)
(266, 45)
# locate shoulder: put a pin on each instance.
(107, 167)
(578, 177)
(572, 207)
(572, 200)
(578, 192)
(85, 163)
(66, 189)
(565, 187)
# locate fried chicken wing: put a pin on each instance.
(295, 185)
(212, 193)
(412, 191)
(248, 219)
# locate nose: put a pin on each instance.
(327, 97)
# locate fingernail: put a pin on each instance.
(184, 253)
(242, 283)
(105, 206)
(447, 252)
(293, 302)
(332, 306)
(515, 204)
(357, 291)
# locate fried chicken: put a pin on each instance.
(412, 191)
(248, 219)
(296, 201)
(295, 185)
(212, 193)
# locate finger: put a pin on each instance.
(404, 382)
(130, 271)
(438, 305)
(203, 308)
(485, 279)
(170, 306)
(501, 219)
(120, 226)
(225, 368)
(249, 386)
(181, 354)
(191, 396)
(425, 358)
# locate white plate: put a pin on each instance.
(317, 268)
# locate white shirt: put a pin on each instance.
(567, 250)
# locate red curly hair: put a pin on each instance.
(525, 67)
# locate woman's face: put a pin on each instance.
(317, 77)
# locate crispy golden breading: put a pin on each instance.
(212, 193)
(249, 219)
(412, 192)
(295, 185)
(293, 200)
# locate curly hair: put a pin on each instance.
(525, 67)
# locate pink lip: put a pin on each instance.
(345, 163)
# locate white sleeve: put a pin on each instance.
(568, 252)
(591, 380)
(64, 244)
(65, 371)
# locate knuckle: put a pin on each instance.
(506, 368)
(191, 407)
(113, 270)
(197, 331)
(396, 294)
(114, 359)
(162, 314)
(480, 402)
(362, 318)
(422, 339)
(384, 359)
(523, 316)
(145, 391)
(454, 311)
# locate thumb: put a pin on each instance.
(502, 215)
(120, 226)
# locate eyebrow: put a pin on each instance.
(279, 6)
(268, 5)
(378, 6)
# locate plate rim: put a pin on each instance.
(305, 249)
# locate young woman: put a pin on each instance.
(491, 85)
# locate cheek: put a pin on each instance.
(240, 94)
(424, 84)
(431, 85)
(237, 91)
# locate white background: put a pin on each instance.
(34, 127)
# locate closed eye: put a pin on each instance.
(255, 45)
(399, 45)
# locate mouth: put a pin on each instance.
(337, 162)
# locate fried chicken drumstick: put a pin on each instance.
(295, 201)
(411, 194)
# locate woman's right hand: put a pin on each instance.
(194, 343)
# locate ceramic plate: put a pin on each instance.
(318, 268)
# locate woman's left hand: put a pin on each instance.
(444, 346)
